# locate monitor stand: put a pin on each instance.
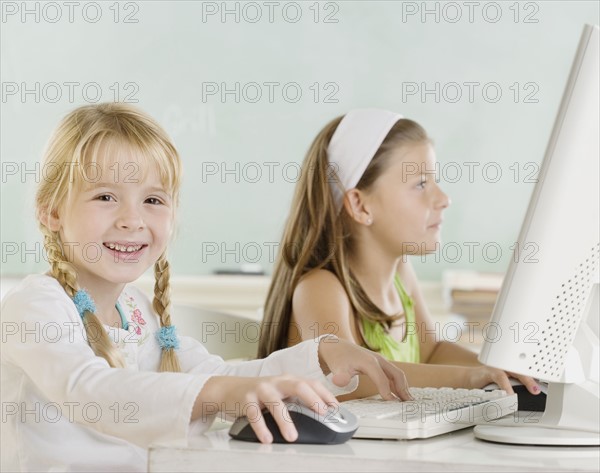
(522, 435)
(572, 415)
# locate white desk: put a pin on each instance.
(458, 451)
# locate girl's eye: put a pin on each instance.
(422, 184)
(105, 197)
(153, 201)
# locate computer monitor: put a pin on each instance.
(545, 321)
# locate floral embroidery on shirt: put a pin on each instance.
(135, 319)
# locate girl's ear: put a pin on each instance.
(50, 219)
(357, 207)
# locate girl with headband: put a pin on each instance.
(365, 201)
(92, 371)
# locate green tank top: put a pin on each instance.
(378, 339)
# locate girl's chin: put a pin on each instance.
(431, 248)
(421, 248)
(125, 272)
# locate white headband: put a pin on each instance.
(354, 143)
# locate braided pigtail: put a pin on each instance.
(167, 336)
(65, 273)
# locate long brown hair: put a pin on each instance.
(72, 148)
(318, 236)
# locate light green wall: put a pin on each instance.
(365, 59)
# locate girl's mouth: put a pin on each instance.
(125, 251)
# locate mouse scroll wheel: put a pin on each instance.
(334, 415)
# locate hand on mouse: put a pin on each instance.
(240, 396)
(481, 376)
(345, 359)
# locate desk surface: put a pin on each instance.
(457, 451)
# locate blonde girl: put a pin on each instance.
(92, 371)
(367, 199)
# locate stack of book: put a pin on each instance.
(471, 294)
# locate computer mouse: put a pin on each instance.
(526, 401)
(335, 427)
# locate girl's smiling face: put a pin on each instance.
(117, 221)
(406, 203)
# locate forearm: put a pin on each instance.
(448, 353)
(418, 375)
(435, 375)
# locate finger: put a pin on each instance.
(531, 384)
(325, 394)
(272, 398)
(252, 409)
(316, 396)
(371, 367)
(397, 379)
(503, 383)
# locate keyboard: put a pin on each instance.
(434, 411)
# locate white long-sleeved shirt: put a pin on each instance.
(66, 409)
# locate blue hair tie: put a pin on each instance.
(84, 302)
(167, 338)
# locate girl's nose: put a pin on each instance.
(443, 199)
(130, 218)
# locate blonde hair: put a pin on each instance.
(318, 236)
(72, 148)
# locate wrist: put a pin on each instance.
(212, 396)
(467, 377)
(204, 399)
(325, 343)
(212, 389)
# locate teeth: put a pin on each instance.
(124, 248)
